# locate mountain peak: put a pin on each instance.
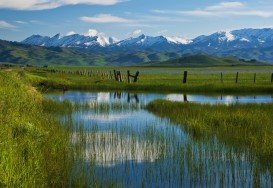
(232, 40)
(58, 36)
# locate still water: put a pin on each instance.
(118, 143)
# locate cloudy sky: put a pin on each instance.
(126, 18)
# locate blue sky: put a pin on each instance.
(127, 18)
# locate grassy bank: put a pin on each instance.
(244, 126)
(33, 146)
(158, 80)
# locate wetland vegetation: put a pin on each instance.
(34, 148)
(101, 138)
(207, 80)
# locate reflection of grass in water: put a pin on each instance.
(106, 108)
(213, 164)
(243, 126)
(116, 146)
(95, 149)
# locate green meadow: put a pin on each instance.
(35, 145)
(199, 80)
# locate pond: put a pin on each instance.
(118, 143)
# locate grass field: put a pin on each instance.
(242, 126)
(207, 80)
(33, 146)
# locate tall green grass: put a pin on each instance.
(242, 126)
(199, 81)
(34, 148)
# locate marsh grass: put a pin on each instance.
(34, 149)
(242, 126)
(198, 81)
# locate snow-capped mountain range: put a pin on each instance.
(215, 43)
(74, 40)
(89, 41)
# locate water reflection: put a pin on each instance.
(144, 98)
(118, 142)
(109, 148)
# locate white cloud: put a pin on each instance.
(265, 14)
(104, 18)
(49, 4)
(225, 6)
(198, 13)
(221, 10)
(137, 32)
(6, 25)
(21, 22)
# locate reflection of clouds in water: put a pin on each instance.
(228, 99)
(110, 97)
(103, 97)
(82, 96)
(109, 148)
(175, 97)
(105, 117)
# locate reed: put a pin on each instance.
(33, 145)
(242, 126)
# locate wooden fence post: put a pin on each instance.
(185, 77)
(119, 76)
(222, 77)
(237, 76)
(116, 75)
(271, 77)
(128, 76)
(255, 78)
(136, 76)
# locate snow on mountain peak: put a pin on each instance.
(226, 36)
(178, 40)
(91, 33)
(70, 33)
(244, 38)
(229, 36)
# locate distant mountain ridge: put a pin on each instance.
(244, 38)
(22, 54)
(226, 43)
(74, 40)
(18, 53)
(198, 61)
(95, 41)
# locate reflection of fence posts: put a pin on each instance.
(134, 96)
(117, 95)
(237, 76)
(185, 77)
(185, 98)
(129, 75)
